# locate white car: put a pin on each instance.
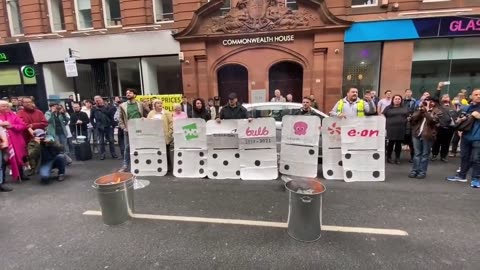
(277, 110)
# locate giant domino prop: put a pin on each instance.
(258, 150)
(190, 142)
(148, 153)
(299, 148)
(223, 160)
(354, 149)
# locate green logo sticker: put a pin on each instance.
(190, 131)
(28, 71)
(3, 58)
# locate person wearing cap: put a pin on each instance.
(233, 109)
(424, 122)
(50, 153)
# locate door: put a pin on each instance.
(232, 78)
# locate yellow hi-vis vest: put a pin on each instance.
(360, 107)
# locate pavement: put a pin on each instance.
(43, 227)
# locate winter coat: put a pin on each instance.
(204, 114)
(396, 118)
(102, 116)
(34, 117)
(430, 128)
(237, 112)
(51, 123)
(74, 117)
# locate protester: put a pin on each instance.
(278, 97)
(91, 134)
(425, 95)
(56, 124)
(233, 109)
(314, 102)
(69, 104)
(186, 107)
(396, 120)
(374, 97)
(69, 146)
(445, 129)
(51, 156)
(212, 109)
(372, 108)
(129, 110)
(384, 102)
(460, 99)
(3, 148)
(16, 153)
(306, 108)
(79, 121)
(117, 101)
(14, 104)
(289, 98)
(102, 118)
(350, 106)
(178, 113)
(159, 113)
(199, 110)
(423, 135)
(470, 144)
(32, 117)
(410, 103)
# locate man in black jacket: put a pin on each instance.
(78, 121)
(233, 110)
(102, 119)
(187, 107)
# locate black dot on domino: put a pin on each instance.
(311, 151)
(214, 155)
(348, 156)
(376, 156)
(340, 163)
(201, 154)
(180, 162)
(159, 153)
(180, 154)
(349, 174)
(287, 167)
(136, 161)
(202, 162)
(135, 153)
(148, 161)
(201, 171)
(237, 173)
(159, 161)
(179, 170)
(215, 174)
(257, 163)
(329, 172)
(136, 171)
(159, 170)
(376, 174)
(225, 163)
(237, 155)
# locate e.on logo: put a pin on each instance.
(363, 133)
(256, 133)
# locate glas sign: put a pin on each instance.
(447, 26)
(28, 71)
(3, 58)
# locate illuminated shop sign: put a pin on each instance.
(259, 40)
(3, 58)
(447, 26)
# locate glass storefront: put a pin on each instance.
(361, 66)
(448, 59)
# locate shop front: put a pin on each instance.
(260, 46)
(420, 54)
(19, 75)
(109, 64)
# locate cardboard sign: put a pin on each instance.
(223, 160)
(258, 154)
(332, 164)
(147, 147)
(190, 158)
(299, 148)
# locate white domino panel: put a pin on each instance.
(364, 166)
(190, 163)
(332, 148)
(298, 160)
(149, 162)
(223, 164)
(258, 164)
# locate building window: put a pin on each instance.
(361, 66)
(14, 17)
(84, 14)
(291, 4)
(364, 3)
(112, 12)
(55, 10)
(226, 7)
(163, 10)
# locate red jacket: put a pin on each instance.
(36, 118)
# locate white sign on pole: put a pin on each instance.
(259, 95)
(71, 67)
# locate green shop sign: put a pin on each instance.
(3, 58)
(28, 71)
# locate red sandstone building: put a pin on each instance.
(252, 47)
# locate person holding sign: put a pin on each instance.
(350, 106)
(233, 110)
(306, 108)
(165, 116)
(200, 110)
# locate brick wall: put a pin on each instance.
(134, 13)
(33, 13)
(4, 31)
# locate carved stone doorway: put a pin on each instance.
(232, 78)
(288, 77)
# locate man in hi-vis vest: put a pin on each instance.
(350, 106)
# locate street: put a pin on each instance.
(44, 227)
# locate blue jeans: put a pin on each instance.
(422, 150)
(470, 151)
(106, 133)
(58, 163)
(62, 139)
(126, 154)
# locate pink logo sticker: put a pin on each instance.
(300, 128)
(334, 129)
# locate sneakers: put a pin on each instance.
(475, 183)
(434, 158)
(124, 169)
(456, 178)
(421, 176)
(443, 160)
(412, 175)
(61, 178)
(459, 169)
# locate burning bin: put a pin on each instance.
(115, 194)
(305, 209)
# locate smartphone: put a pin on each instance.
(446, 83)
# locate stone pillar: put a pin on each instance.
(318, 76)
(396, 66)
(202, 75)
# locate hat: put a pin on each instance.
(39, 133)
(232, 96)
(431, 99)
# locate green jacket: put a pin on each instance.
(51, 123)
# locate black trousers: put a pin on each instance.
(121, 140)
(455, 141)
(442, 143)
(408, 141)
(398, 148)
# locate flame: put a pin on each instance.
(118, 180)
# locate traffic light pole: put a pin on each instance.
(75, 90)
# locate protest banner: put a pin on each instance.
(168, 100)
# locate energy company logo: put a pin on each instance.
(256, 133)
(334, 129)
(190, 131)
(3, 58)
(300, 128)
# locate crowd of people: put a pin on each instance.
(431, 127)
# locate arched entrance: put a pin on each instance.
(232, 78)
(288, 77)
